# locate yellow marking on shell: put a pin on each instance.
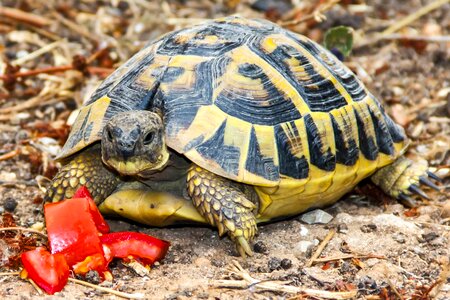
(365, 167)
(242, 21)
(185, 36)
(321, 180)
(185, 81)
(210, 40)
(318, 67)
(244, 55)
(199, 125)
(153, 71)
(90, 115)
(82, 180)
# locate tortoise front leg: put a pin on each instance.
(85, 168)
(224, 205)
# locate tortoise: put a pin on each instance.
(231, 123)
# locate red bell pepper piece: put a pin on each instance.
(72, 231)
(99, 221)
(138, 245)
(48, 271)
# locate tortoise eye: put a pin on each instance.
(149, 138)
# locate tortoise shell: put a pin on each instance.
(249, 101)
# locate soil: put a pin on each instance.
(403, 251)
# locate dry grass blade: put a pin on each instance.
(36, 53)
(108, 290)
(414, 16)
(247, 281)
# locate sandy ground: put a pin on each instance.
(400, 249)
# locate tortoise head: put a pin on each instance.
(133, 143)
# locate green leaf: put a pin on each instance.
(340, 38)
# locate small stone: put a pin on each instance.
(368, 228)
(428, 237)
(93, 277)
(342, 228)
(260, 247)
(316, 216)
(399, 237)
(418, 250)
(303, 231)
(274, 264)
(286, 263)
(10, 204)
(303, 249)
(367, 283)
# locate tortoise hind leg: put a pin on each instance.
(85, 168)
(402, 178)
(224, 205)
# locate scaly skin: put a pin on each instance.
(85, 168)
(224, 205)
(397, 178)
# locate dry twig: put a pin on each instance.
(322, 246)
(316, 14)
(247, 281)
(21, 16)
(10, 154)
(332, 258)
(24, 229)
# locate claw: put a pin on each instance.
(243, 247)
(407, 201)
(415, 189)
(427, 182)
(434, 176)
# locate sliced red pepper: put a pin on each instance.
(99, 221)
(138, 245)
(72, 231)
(48, 271)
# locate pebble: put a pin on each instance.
(10, 204)
(399, 237)
(368, 228)
(93, 277)
(418, 250)
(260, 247)
(428, 237)
(303, 231)
(303, 248)
(286, 263)
(342, 228)
(317, 216)
(274, 264)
